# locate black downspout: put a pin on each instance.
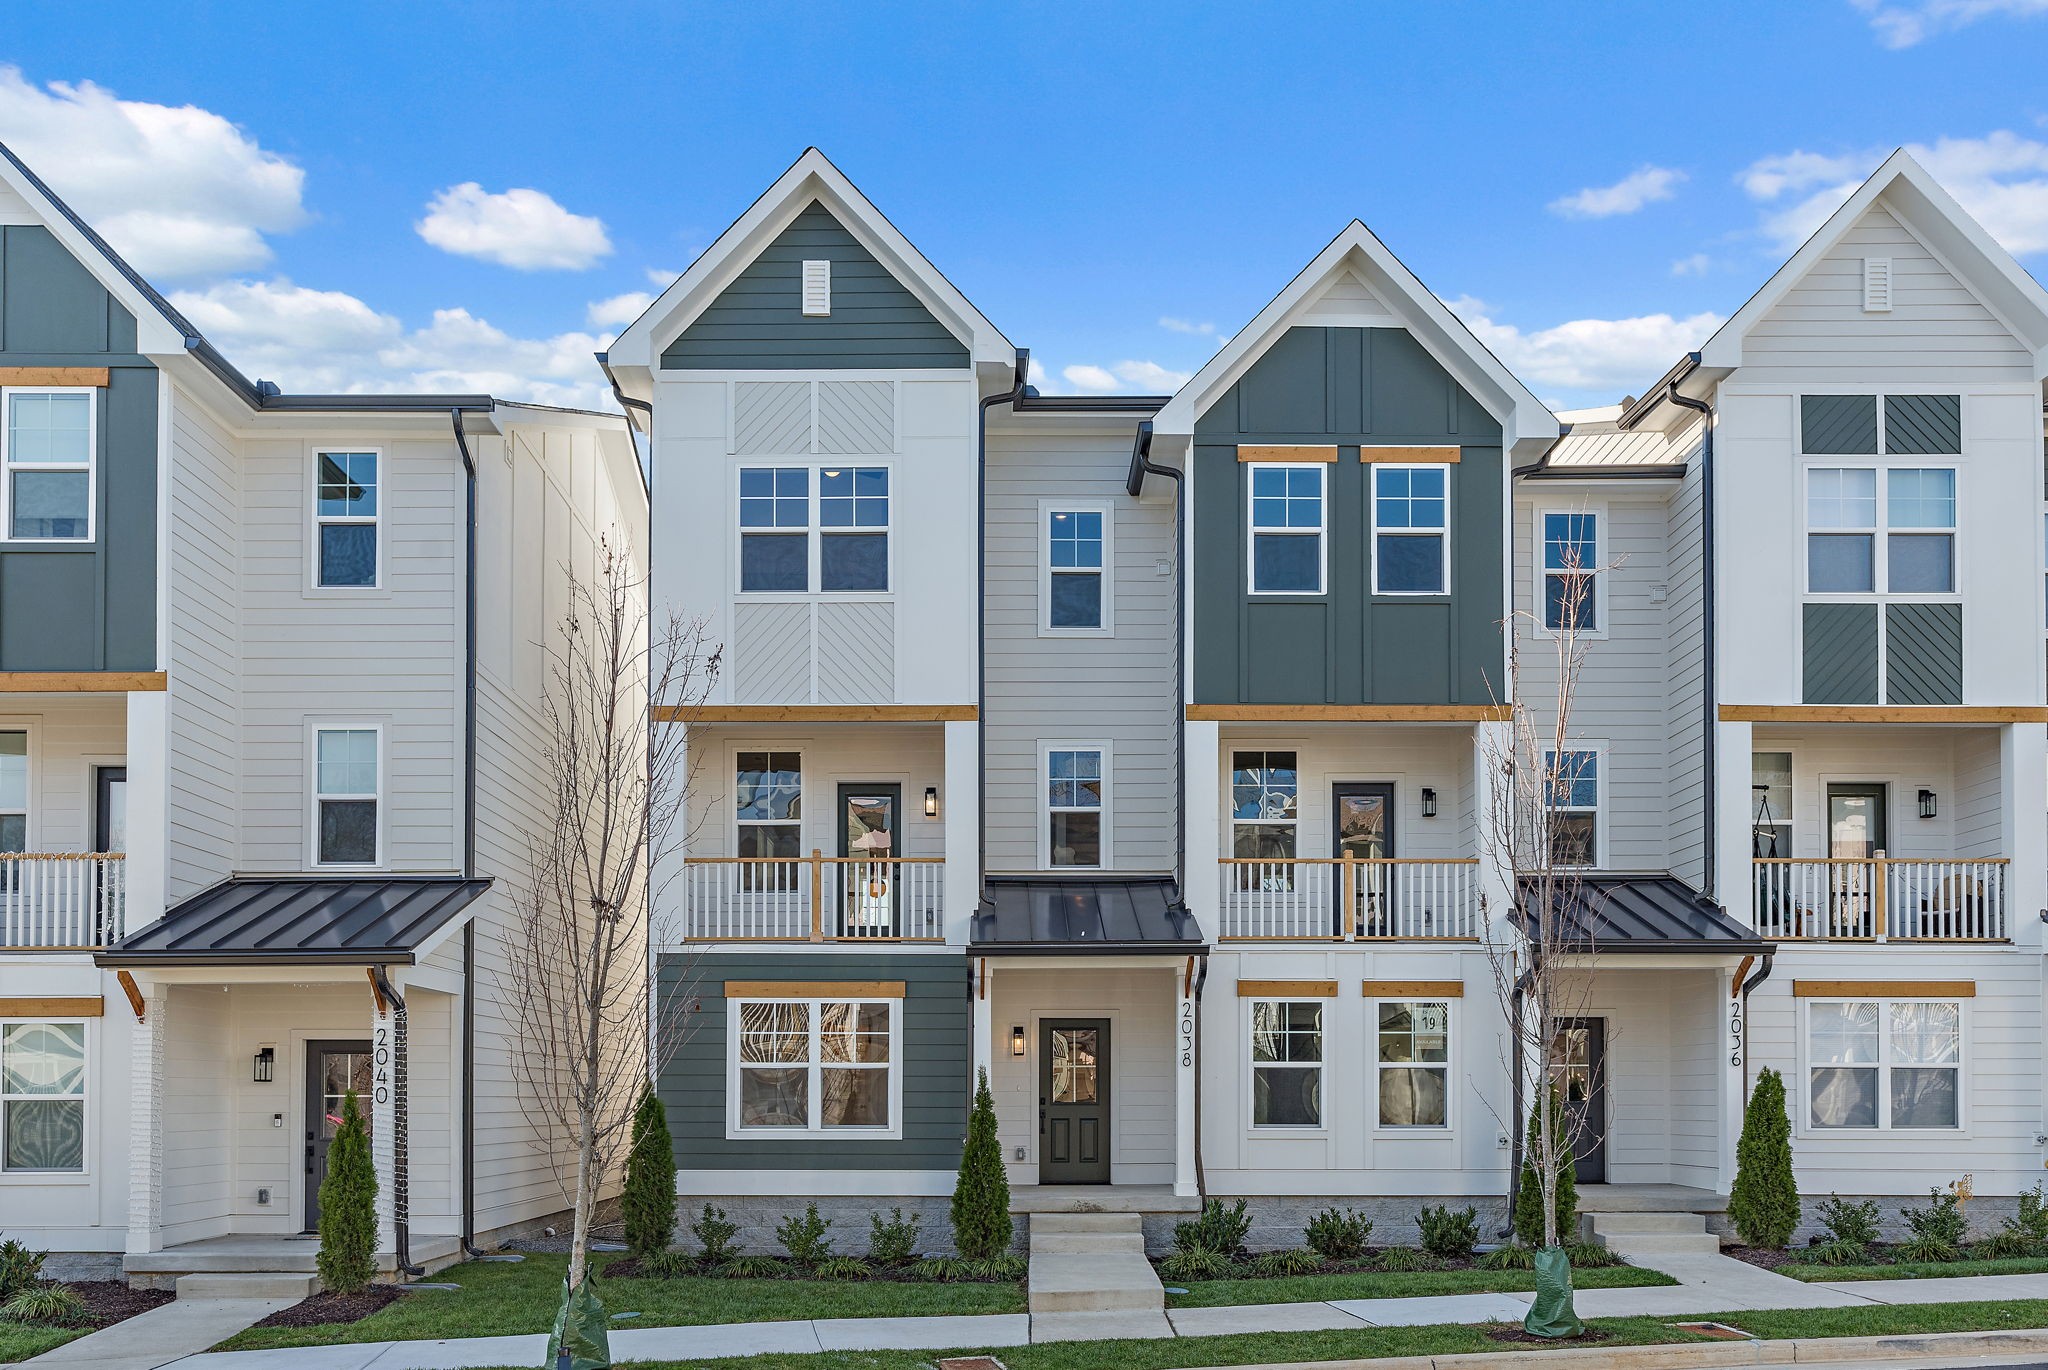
(469, 1246)
(1011, 397)
(1201, 1173)
(1709, 710)
(401, 1196)
(1763, 973)
(1141, 466)
(1517, 1127)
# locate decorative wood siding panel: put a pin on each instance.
(1838, 424)
(1347, 386)
(87, 606)
(1923, 653)
(771, 417)
(1917, 424)
(856, 417)
(771, 654)
(1839, 653)
(934, 1038)
(856, 652)
(757, 322)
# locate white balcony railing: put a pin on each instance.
(1391, 899)
(62, 902)
(815, 898)
(1879, 899)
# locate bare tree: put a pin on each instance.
(616, 772)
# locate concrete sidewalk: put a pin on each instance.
(171, 1332)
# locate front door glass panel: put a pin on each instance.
(1856, 821)
(1073, 1066)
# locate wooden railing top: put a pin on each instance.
(1356, 860)
(63, 856)
(1880, 860)
(814, 860)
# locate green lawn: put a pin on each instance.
(500, 1298)
(1396, 1285)
(1914, 1270)
(19, 1343)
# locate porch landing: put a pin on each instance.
(1649, 1198)
(263, 1254)
(1101, 1198)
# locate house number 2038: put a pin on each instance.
(1187, 1033)
(1735, 1033)
(381, 1061)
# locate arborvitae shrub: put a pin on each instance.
(649, 1200)
(1764, 1202)
(980, 1212)
(348, 1207)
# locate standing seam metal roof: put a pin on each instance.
(296, 919)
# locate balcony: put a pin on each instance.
(62, 901)
(1878, 899)
(815, 898)
(1391, 899)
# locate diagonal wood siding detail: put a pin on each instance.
(856, 417)
(1916, 425)
(771, 654)
(1838, 423)
(771, 417)
(1923, 653)
(856, 653)
(1839, 655)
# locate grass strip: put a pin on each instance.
(1397, 1285)
(1913, 1270)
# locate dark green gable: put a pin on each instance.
(88, 606)
(758, 321)
(1348, 387)
(934, 1041)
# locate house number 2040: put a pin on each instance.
(381, 1060)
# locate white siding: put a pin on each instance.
(1685, 682)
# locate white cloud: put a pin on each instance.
(1188, 326)
(2001, 179)
(1134, 377)
(1904, 25)
(179, 191)
(520, 228)
(1091, 378)
(662, 279)
(329, 341)
(1695, 265)
(1645, 185)
(1600, 356)
(619, 310)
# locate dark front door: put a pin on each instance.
(1073, 1101)
(1579, 1071)
(332, 1070)
(867, 835)
(1856, 821)
(109, 834)
(1362, 824)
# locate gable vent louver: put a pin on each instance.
(1877, 285)
(817, 289)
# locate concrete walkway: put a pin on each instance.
(173, 1331)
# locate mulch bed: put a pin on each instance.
(1766, 1257)
(112, 1301)
(1513, 1335)
(327, 1308)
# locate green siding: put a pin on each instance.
(934, 1038)
(1839, 653)
(758, 321)
(87, 606)
(1838, 424)
(1917, 425)
(1348, 387)
(1923, 653)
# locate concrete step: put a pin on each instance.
(276, 1284)
(1662, 1224)
(1085, 1243)
(1098, 1282)
(1068, 1224)
(1663, 1244)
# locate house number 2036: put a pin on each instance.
(1187, 1033)
(1735, 1033)
(381, 1060)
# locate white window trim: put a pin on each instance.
(813, 532)
(1375, 1068)
(1603, 797)
(32, 793)
(1598, 513)
(816, 1128)
(735, 825)
(1879, 532)
(1046, 509)
(315, 727)
(1252, 1066)
(92, 465)
(1885, 1126)
(1372, 509)
(1252, 529)
(1787, 821)
(314, 520)
(84, 1174)
(1045, 809)
(1231, 823)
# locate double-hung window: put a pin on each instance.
(42, 1096)
(1573, 781)
(49, 460)
(790, 544)
(13, 790)
(1411, 530)
(1877, 1063)
(1571, 561)
(1264, 818)
(1287, 1062)
(853, 518)
(768, 796)
(1770, 818)
(345, 505)
(1074, 590)
(346, 793)
(1912, 551)
(775, 529)
(1288, 510)
(813, 1065)
(1414, 1063)
(1075, 805)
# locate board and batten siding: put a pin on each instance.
(758, 323)
(1117, 689)
(690, 990)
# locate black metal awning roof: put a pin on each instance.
(1643, 913)
(297, 920)
(1050, 915)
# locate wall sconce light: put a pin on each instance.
(266, 1065)
(1017, 1042)
(1428, 802)
(931, 801)
(1927, 803)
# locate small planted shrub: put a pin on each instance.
(1833, 1251)
(1218, 1229)
(648, 1202)
(1850, 1223)
(1293, 1261)
(942, 1269)
(1452, 1234)
(1006, 1267)
(842, 1268)
(1339, 1234)
(47, 1305)
(804, 1238)
(714, 1234)
(1938, 1229)
(893, 1240)
(1528, 1214)
(2023, 1234)
(1395, 1259)
(2005, 1245)
(753, 1268)
(1195, 1263)
(20, 1268)
(1512, 1257)
(980, 1213)
(1590, 1256)
(347, 1260)
(667, 1265)
(1764, 1202)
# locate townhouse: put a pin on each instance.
(270, 678)
(1136, 750)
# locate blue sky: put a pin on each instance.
(471, 195)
